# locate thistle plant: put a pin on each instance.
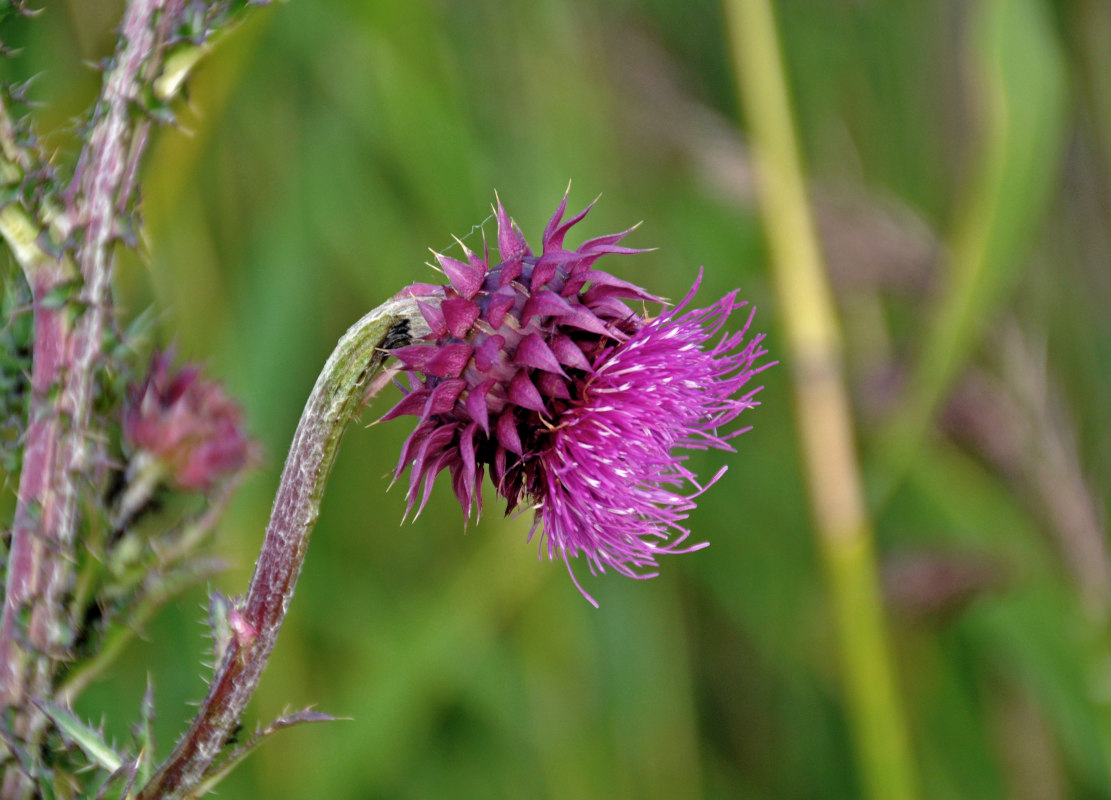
(543, 370)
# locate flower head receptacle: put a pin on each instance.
(539, 371)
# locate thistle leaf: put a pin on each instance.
(144, 736)
(218, 625)
(90, 740)
(224, 768)
(119, 783)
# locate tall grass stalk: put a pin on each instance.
(843, 527)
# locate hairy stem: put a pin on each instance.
(102, 192)
(339, 394)
(36, 512)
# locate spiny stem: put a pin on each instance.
(340, 393)
(36, 513)
(65, 356)
(67, 351)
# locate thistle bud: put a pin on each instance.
(186, 426)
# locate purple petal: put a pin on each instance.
(412, 443)
(410, 404)
(506, 432)
(476, 405)
(553, 223)
(498, 305)
(611, 308)
(523, 393)
(604, 283)
(545, 303)
(466, 279)
(511, 245)
(545, 268)
(534, 352)
(439, 437)
(612, 249)
(467, 456)
(420, 290)
(510, 271)
(552, 386)
(542, 272)
(443, 397)
(416, 356)
(446, 458)
(475, 262)
(450, 361)
(584, 320)
(459, 316)
(574, 284)
(569, 353)
(489, 353)
(410, 448)
(434, 317)
(555, 239)
(600, 243)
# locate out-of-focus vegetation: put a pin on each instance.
(960, 163)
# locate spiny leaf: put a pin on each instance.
(218, 625)
(224, 768)
(15, 748)
(119, 783)
(50, 780)
(144, 735)
(90, 740)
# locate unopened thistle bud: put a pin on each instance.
(184, 428)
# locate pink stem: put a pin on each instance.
(35, 513)
(340, 392)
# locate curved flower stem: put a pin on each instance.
(341, 391)
(843, 527)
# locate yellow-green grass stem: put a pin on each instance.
(843, 527)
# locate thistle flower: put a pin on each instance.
(184, 427)
(537, 370)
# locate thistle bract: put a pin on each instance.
(538, 370)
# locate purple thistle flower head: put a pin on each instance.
(186, 423)
(537, 370)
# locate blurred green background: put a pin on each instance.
(960, 163)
